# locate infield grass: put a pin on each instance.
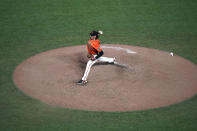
(33, 26)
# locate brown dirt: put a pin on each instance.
(152, 79)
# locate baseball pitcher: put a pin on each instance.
(95, 53)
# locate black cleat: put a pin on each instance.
(82, 82)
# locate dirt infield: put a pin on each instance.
(150, 79)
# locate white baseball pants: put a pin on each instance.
(90, 63)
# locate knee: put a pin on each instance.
(89, 63)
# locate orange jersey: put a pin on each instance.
(93, 47)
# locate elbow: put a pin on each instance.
(101, 53)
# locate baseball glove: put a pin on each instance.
(90, 56)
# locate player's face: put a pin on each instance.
(92, 37)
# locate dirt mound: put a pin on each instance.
(149, 79)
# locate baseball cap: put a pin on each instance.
(94, 33)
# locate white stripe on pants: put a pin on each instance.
(90, 63)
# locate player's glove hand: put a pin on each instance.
(89, 55)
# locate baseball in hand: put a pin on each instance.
(100, 32)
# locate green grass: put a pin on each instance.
(33, 26)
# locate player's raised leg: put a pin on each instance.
(107, 59)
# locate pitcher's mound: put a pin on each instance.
(143, 79)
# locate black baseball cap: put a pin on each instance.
(94, 33)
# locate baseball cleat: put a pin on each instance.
(114, 59)
(82, 82)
